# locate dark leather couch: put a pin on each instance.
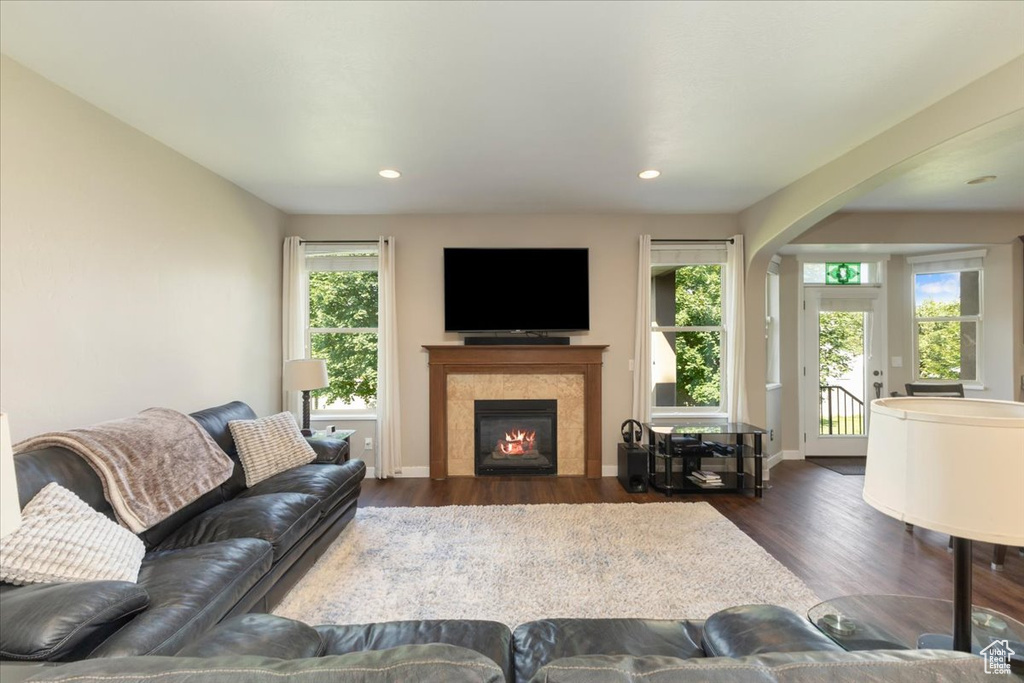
(233, 551)
(749, 643)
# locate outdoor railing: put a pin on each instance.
(842, 413)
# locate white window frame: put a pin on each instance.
(772, 331)
(955, 262)
(677, 256)
(359, 263)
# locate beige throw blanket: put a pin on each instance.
(151, 465)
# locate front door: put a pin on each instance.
(844, 354)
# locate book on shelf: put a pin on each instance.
(705, 475)
(706, 484)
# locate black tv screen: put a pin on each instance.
(512, 290)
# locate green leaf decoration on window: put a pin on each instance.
(842, 273)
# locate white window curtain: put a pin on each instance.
(389, 439)
(642, 338)
(735, 293)
(293, 315)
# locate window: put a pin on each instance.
(818, 273)
(947, 316)
(771, 323)
(342, 324)
(688, 344)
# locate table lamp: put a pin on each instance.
(305, 374)
(953, 465)
(10, 508)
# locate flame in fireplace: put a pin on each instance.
(519, 442)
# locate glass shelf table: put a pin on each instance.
(676, 451)
(879, 622)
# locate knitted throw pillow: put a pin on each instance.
(61, 539)
(269, 445)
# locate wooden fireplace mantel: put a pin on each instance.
(492, 360)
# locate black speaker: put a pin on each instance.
(633, 467)
(521, 340)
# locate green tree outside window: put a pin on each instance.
(345, 300)
(698, 295)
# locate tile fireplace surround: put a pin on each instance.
(459, 375)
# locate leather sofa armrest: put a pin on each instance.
(263, 635)
(757, 629)
(329, 451)
(64, 621)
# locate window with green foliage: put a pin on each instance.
(342, 325)
(688, 343)
(947, 325)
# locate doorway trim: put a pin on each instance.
(801, 259)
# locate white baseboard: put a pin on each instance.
(774, 459)
(792, 455)
(609, 470)
(407, 473)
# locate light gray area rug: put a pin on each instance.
(516, 563)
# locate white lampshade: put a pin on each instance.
(952, 465)
(305, 373)
(10, 508)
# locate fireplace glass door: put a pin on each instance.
(516, 437)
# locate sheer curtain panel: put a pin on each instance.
(389, 423)
(293, 314)
(642, 337)
(736, 393)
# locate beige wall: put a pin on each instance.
(1017, 265)
(130, 276)
(789, 308)
(613, 244)
(772, 444)
(915, 228)
(1003, 295)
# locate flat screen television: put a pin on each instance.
(516, 290)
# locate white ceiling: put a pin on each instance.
(940, 184)
(525, 106)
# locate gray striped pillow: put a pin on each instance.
(269, 445)
(61, 538)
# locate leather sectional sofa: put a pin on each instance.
(213, 567)
(750, 643)
(233, 551)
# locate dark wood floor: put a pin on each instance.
(812, 520)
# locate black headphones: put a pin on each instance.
(632, 435)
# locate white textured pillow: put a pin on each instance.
(269, 445)
(61, 538)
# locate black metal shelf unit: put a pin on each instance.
(676, 451)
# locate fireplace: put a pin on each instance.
(515, 437)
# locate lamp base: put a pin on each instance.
(306, 431)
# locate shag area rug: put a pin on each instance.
(517, 563)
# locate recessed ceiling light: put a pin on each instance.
(389, 173)
(982, 179)
(649, 174)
